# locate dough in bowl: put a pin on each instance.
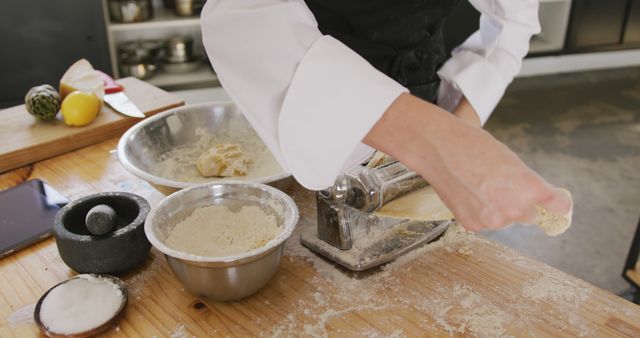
(223, 160)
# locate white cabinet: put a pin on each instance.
(554, 19)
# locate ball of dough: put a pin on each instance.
(223, 160)
(554, 225)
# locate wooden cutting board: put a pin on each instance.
(26, 140)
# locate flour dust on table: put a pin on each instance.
(462, 307)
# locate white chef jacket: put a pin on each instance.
(312, 99)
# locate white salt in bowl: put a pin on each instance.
(223, 278)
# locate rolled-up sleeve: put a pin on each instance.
(485, 64)
(309, 97)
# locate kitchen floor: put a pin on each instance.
(580, 131)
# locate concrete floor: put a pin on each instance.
(580, 131)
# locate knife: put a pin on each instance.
(115, 97)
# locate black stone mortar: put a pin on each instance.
(118, 251)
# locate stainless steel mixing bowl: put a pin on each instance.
(142, 147)
(230, 277)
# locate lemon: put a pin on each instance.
(80, 108)
(81, 76)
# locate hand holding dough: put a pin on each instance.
(554, 225)
(424, 205)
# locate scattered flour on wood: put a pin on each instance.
(556, 287)
(566, 293)
(139, 281)
(618, 311)
(369, 292)
(454, 234)
(465, 251)
(378, 334)
(390, 296)
(462, 310)
(180, 331)
(396, 334)
(481, 317)
(552, 284)
(318, 328)
(22, 316)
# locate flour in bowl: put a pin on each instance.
(217, 231)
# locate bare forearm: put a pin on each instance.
(466, 113)
(409, 121)
(406, 129)
(484, 183)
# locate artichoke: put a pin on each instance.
(43, 102)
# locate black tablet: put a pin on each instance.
(27, 212)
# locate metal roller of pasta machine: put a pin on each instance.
(351, 234)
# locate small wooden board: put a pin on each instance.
(26, 140)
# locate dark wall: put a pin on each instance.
(603, 25)
(39, 39)
(596, 22)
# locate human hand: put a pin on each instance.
(481, 181)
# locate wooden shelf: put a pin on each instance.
(162, 18)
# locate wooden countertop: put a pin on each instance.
(437, 291)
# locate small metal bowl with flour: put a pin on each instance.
(223, 241)
(165, 149)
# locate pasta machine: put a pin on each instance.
(350, 233)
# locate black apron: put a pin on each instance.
(401, 38)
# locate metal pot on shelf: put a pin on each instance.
(139, 58)
(126, 11)
(178, 48)
(185, 7)
(140, 69)
(179, 55)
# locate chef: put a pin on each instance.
(325, 82)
